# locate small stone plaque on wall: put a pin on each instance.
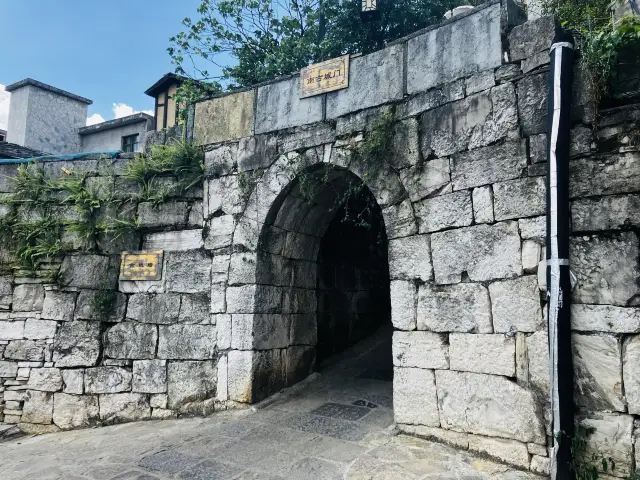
(324, 77)
(144, 265)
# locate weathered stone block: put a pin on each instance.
(480, 81)
(406, 144)
(166, 214)
(58, 305)
(28, 298)
(194, 309)
(259, 331)
(108, 306)
(486, 165)
(532, 37)
(427, 178)
(131, 340)
(450, 128)
(225, 196)
(515, 305)
(77, 344)
(533, 228)
(605, 268)
(124, 407)
(90, 271)
(258, 151)
(420, 350)
(224, 118)
(242, 268)
(519, 198)
(532, 103)
(538, 360)
(188, 272)
(299, 362)
(410, 258)
(431, 99)
(45, 380)
(279, 106)
(414, 397)
(12, 330)
(604, 175)
(190, 382)
(239, 376)
(597, 361)
(456, 308)
(187, 342)
(531, 252)
(509, 451)
(484, 252)
(220, 160)
(494, 354)
(605, 318)
(400, 220)
(149, 308)
(612, 437)
(605, 213)
(306, 136)
(73, 411)
(106, 380)
(304, 330)
(482, 198)
(403, 305)
(218, 301)
(538, 148)
(150, 376)
(39, 329)
(38, 407)
(380, 71)
(457, 42)
(73, 381)
(29, 350)
(488, 405)
(8, 369)
(174, 241)
(444, 211)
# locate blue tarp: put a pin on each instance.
(59, 158)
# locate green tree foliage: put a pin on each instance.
(251, 41)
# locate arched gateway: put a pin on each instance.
(319, 275)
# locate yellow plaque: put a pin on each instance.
(145, 265)
(324, 77)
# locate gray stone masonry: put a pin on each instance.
(234, 317)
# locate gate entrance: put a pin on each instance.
(322, 269)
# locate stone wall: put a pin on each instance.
(90, 349)
(462, 197)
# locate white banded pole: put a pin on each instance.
(558, 276)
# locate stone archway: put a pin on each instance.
(318, 277)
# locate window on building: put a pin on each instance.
(1, 137)
(130, 143)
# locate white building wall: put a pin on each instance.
(52, 121)
(112, 139)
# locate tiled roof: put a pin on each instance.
(12, 150)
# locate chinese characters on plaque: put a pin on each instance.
(145, 265)
(324, 77)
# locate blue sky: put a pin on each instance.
(110, 51)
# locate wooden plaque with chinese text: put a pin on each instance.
(145, 265)
(324, 77)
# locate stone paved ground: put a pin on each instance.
(336, 427)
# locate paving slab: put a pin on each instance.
(338, 426)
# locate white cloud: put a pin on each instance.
(123, 110)
(95, 118)
(4, 107)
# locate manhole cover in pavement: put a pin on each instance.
(343, 412)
